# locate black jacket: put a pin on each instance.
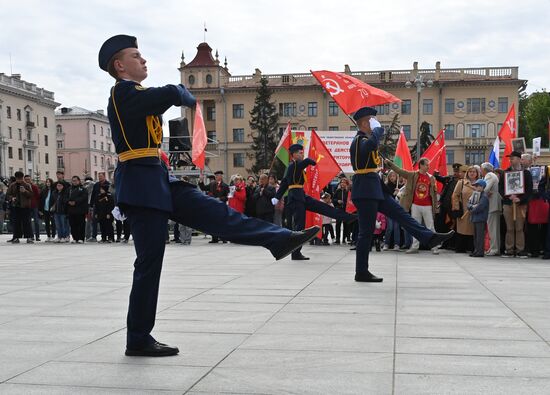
(340, 194)
(79, 195)
(104, 205)
(60, 200)
(219, 191)
(95, 191)
(262, 198)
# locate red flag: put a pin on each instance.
(199, 139)
(318, 176)
(350, 207)
(433, 148)
(350, 93)
(439, 163)
(402, 156)
(164, 158)
(506, 133)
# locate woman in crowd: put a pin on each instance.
(77, 208)
(463, 191)
(280, 206)
(46, 205)
(249, 207)
(237, 195)
(60, 212)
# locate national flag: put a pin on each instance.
(402, 156)
(439, 163)
(351, 93)
(433, 148)
(318, 176)
(199, 139)
(281, 151)
(495, 154)
(506, 133)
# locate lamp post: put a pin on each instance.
(418, 82)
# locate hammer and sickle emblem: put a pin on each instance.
(319, 157)
(511, 126)
(332, 87)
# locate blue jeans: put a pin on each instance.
(393, 233)
(61, 225)
(36, 218)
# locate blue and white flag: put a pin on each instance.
(494, 156)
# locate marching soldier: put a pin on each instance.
(298, 201)
(148, 196)
(370, 195)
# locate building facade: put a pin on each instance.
(470, 103)
(84, 144)
(27, 128)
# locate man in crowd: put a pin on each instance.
(101, 183)
(218, 190)
(515, 209)
(419, 197)
(33, 210)
(262, 199)
(20, 195)
(495, 207)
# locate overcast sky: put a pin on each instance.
(54, 44)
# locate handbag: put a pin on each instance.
(537, 211)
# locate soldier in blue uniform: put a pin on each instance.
(148, 196)
(298, 202)
(369, 194)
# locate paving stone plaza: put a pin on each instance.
(245, 324)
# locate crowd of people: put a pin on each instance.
(472, 201)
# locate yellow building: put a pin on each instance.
(471, 103)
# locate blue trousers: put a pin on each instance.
(190, 208)
(297, 211)
(367, 210)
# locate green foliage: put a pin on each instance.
(537, 114)
(264, 120)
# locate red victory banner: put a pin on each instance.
(433, 148)
(318, 176)
(506, 133)
(350, 93)
(199, 139)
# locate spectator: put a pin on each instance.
(250, 205)
(420, 197)
(340, 201)
(262, 198)
(478, 206)
(393, 230)
(61, 197)
(218, 190)
(444, 220)
(327, 221)
(537, 221)
(101, 182)
(464, 227)
(19, 195)
(279, 208)
(237, 196)
(103, 212)
(2, 209)
(544, 191)
(77, 208)
(495, 207)
(379, 229)
(47, 201)
(515, 210)
(33, 211)
(89, 187)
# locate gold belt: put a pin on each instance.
(294, 186)
(367, 171)
(138, 153)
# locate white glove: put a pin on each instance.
(274, 201)
(378, 224)
(118, 214)
(374, 123)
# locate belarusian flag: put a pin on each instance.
(281, 151)
(402, 156)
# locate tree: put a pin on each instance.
(426, 138)
(389, 142)
(522, 119)
(537, 114)
(264, 121)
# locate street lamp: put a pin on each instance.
(418, 82)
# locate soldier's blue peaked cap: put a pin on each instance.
(112, 46)
(364, 112)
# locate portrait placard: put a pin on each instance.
(519, 145)
(514, 183)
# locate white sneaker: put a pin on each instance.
(49, 240)
(386, 247)
(412, 251)
(66, 240)
(396, 248)
(57, 240)
(435, 251)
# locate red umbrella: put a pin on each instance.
(350, 93)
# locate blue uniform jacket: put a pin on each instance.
(142, 182)
(480, 212)
(364, 154)
(294, 175)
